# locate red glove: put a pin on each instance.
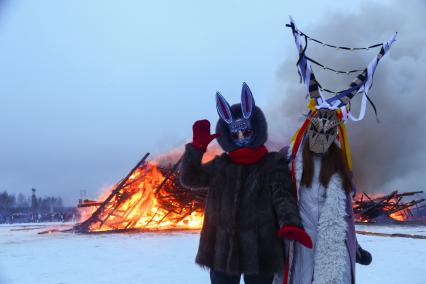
(297, 234)
(201, 134)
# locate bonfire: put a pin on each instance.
(151, 198)
(384, 207)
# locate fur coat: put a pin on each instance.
(245, 207)
(332, 233)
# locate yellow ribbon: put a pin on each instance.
(344, 145)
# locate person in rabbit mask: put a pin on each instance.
(250, 206)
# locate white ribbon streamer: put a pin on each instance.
(362, 110)
(364, 88)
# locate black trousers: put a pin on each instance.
(217, 277)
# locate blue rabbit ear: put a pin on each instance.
(223, 108)
(247, 101)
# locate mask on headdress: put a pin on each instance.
(326, 114)
(323, 130)
(240, 128)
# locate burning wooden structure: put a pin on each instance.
(390, 207)
(151, 198)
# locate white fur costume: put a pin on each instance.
(323, 216)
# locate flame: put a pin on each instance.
(142, 209)
(392, 204)
(147, 200)
(400, 215)
(139, 205)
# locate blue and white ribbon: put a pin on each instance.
(361, 84)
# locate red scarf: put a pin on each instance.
(248, 155)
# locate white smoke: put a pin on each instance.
(387, 155)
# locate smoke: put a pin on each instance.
(387, 155)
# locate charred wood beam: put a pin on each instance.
(405, 206)
(171, 172)
(95, 216)
(371, 208)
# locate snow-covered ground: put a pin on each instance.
(65, 258)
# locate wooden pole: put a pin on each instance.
(395, 235)
(84, 227)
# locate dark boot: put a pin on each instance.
(258, 278)
(217, 277)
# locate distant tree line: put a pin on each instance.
(20, 208)
(10, 202)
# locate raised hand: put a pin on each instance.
(201, 134)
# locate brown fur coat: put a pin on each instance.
(245, 207)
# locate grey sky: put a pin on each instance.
(87, 87)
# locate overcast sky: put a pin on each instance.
(88, 87)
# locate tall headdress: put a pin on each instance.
(339, 101)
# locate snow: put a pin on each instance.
(66, 258)
(395, 260)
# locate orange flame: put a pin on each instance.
(391, 205)
(400, 215)
(140, 206)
